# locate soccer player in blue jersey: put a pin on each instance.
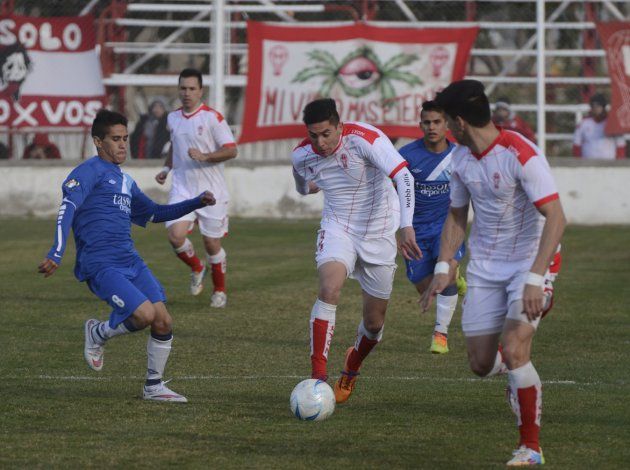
(100, 202)
(429, 161)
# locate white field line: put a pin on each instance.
(78, 378)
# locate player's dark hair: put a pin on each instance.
(104, 120)
(466, 99)
(187, 73)
(599, 98)
(321, 110)
(431, 106)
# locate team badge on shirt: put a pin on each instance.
(72, 183)
(344, 160)
(496, 178)
(200, 130)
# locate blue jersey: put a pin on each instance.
(101, 202)
(432, 176)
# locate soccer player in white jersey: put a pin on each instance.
(201, 141)
(353, 164)
(517, 226)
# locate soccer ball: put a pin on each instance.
(312, 400)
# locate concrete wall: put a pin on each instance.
(591, 195)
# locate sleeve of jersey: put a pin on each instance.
(144, 210)
(404, 188)
(537, 181)
(222, 134)
(460, 196)
(76, 187)
(385, 156)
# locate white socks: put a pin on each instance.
(158, 351)
(445, 307)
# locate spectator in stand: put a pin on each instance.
(504, 117)
(41, 148)
(590, 140)
(150, 135)
(4, 151)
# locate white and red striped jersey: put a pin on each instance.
(206, 130)
(359, 196)
(506, 184)
(590, 141)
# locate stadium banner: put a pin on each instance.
(615, 39)
(50, 73)
(377, 75)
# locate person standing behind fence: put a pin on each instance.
(506, 118)
(41, 149)
(590, 141)
(150, 135)
(201, 141)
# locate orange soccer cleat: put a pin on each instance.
(346, 383)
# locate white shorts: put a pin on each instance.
(495, 291)
(372, 262)
(213, 220)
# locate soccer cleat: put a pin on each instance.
(160, 392)
(92, 351)
(218, 299)
(196, 281)
(346, 382)
(462, 286)
(439, 343)
(524, 457)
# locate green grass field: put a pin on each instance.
(238, 366)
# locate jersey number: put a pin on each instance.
(118, 301)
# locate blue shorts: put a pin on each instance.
(417, 270)
(125, 289)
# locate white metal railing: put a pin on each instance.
(548, 17)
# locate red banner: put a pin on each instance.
(377, 75)
(50, 73)
(615, 39)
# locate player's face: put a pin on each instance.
(113, 148)
(324, 136)
(190, 93)
(433, 124)
(456, 126)
(597, 109)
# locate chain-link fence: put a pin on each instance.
(144, 44)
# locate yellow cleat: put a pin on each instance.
(345, 384)
(462, 287)
(439, 344)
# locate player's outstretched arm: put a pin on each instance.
(47, 267)
(221, 155)
(555, 222)
(453, 235)
(168, 166)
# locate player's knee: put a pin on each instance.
(144, 315)
(479, 366)
(329, 293)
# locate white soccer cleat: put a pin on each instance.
(526, 457)
(218, 299)
(196, 281)
(92, 351)
(160, 392)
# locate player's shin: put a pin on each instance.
(445, 307)
(322, 328)
(364, 343)
(186, 253)
(158, 350)
(218, 263)
(526, 402)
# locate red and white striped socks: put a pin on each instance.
(526, 402)
(322, 328)
(363, 345)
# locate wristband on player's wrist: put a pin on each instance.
(165, 169)
(534, 279)
(442, 267)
